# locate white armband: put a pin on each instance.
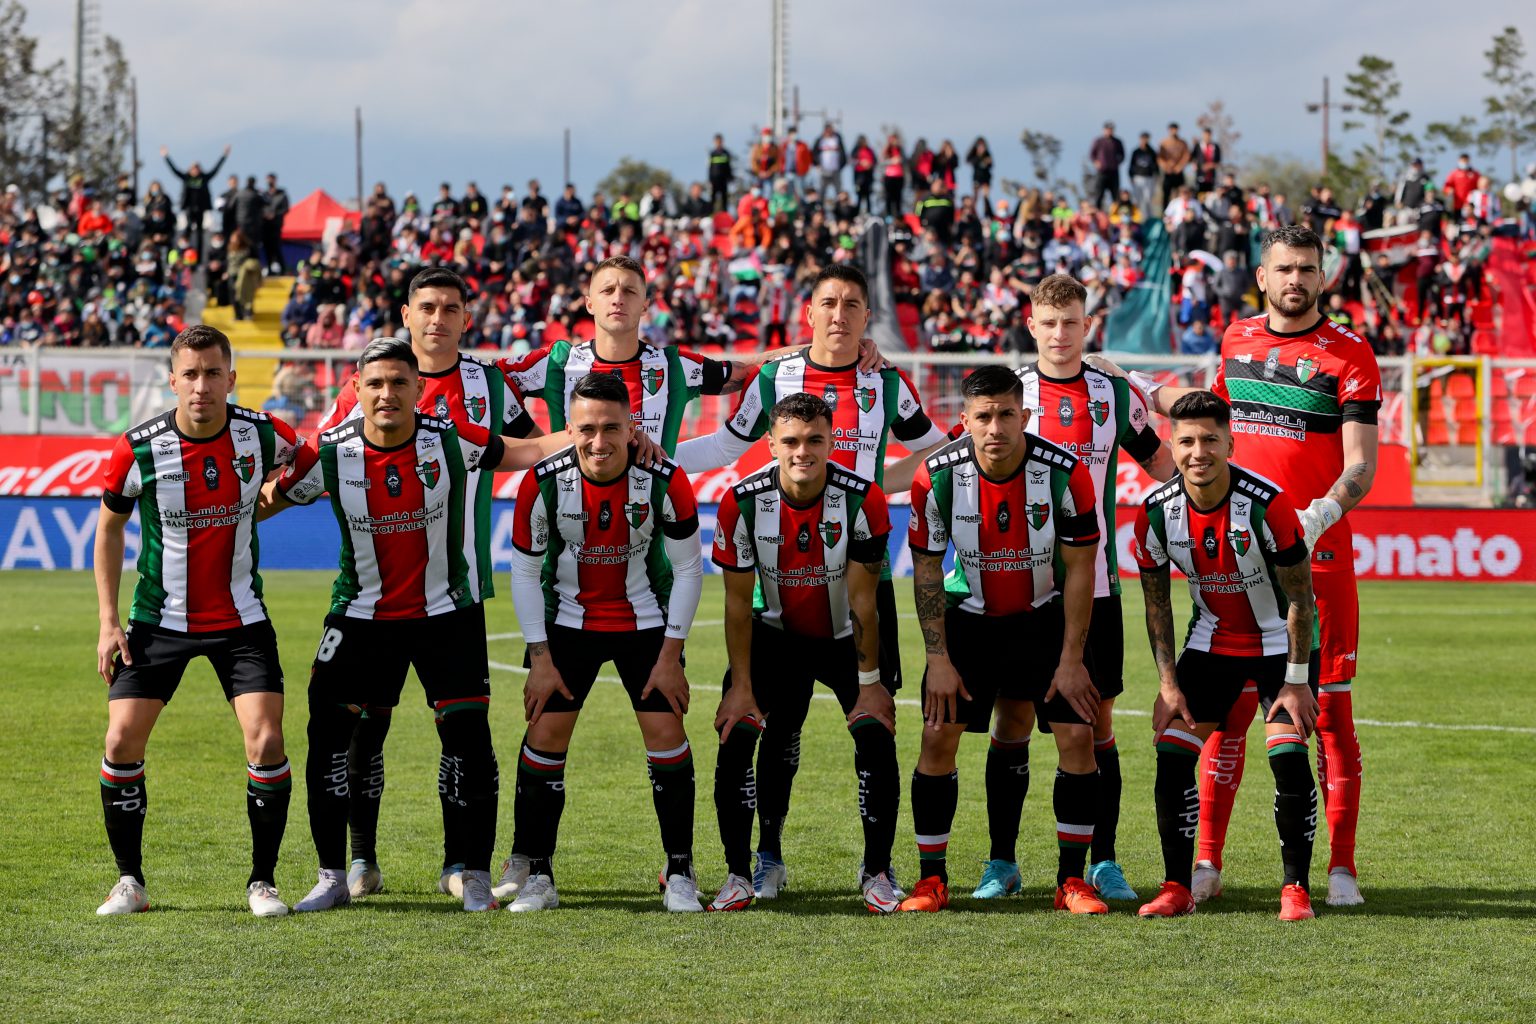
(869, 678)
(1296, 675)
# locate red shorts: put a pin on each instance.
(1338, 618)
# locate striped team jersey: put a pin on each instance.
(1227, 552)
(477, 399)
(867, 409)
(661, 382)
(605, 568)
(197, 503)
(1007, 533)
(1093, 415)
(801, 553)
(401, 512)
(1290, 395)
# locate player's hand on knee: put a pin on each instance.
(1075, 686)
(543, 683)
(668, 680)
(1297, 700)
(876, 702)
(733, 709)
(943, 684)
(1170, 707)
(112, 644)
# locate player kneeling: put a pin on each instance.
(606, 567)
(1237, 538)
(813, 538)
(1020, 513)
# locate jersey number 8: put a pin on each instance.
(328, 644)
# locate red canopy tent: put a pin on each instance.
(308, 218)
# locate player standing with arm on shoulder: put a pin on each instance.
(1237, 538)
(1305, 395)
(813, 539)
(606, 567)
(869, 406)
(196, 475)
(1092, 415)
(477, 398)
(1009, 624)
(399, 484)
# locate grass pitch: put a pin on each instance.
(1445, 859)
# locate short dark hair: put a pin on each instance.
(620, 263)
(842, 272)
(438, 277)
(201, 336)
(801, 406)
(388, 347)
(1202, 405)
(992, 382)
(1292, 236)
(601, 387)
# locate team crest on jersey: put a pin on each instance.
(1241, 540)
(604, 515)
(1209, 542)
(211, 472)
(1099, 411)
(392, 480)
(429, 472)
(652, 378)
(476, 407)
(1064, 411)
(1306, 368)
(441, 408)
(831, 533)
(803, 538)
(1004, 517)
(865, 397)
(829, 395)
(1271, 364)
(1037, 513)
(245, 465)
(637, 512)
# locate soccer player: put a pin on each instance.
(1237, 538)
(661, 381)
(1305, 394)
(196, 474)
(398, 482)
(1009, 624)
(869, 406)
(812, 537)
(606, 567)
(1092, 415)
(476, 397)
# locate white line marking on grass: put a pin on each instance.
(907, 702)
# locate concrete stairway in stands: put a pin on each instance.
(264, 331)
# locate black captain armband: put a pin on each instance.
(117, 503)
(1361, 412)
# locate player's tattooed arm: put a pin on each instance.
(928, 587)
(538, 649)
(1296, 583)
(1155, 593)
(1360, 444)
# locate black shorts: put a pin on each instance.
(580, 654)
(786, 667)
(363, 662)
(1007, 657)
(1211, 682)
(244, 659)
(890, 639)
(1106, 647)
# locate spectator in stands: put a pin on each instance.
(245, 266)
(1411, 186)
(1172, 157)
(893, 172)
(195, 198)
(1460, 183)
(831, 158)
(1144, 168)
(721, 173)
(1230, 286)
(766, 160)
(1207, 160)
(864, 160)
(1106, 154)
(1198, 339)
(979, 157)
(275, 206)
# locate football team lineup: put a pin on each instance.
(607, 569)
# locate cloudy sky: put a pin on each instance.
(482, 89)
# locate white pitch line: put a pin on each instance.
(1125, 712)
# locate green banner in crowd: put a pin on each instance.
(1140, 323)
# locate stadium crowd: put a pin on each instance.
(728, 259)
